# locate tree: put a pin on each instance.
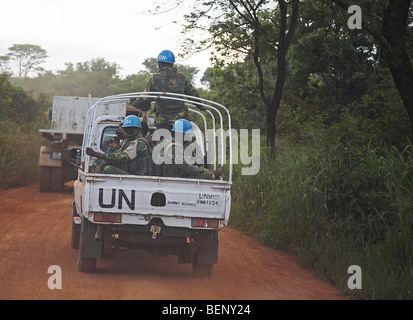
(3, 63)
(335, 76)
(330, 65)
(95, 77)
(235, 85)
(18, 105)
(260, 29)
(28, 58)
(391, 28)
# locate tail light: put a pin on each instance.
(205, 223)
(107, 217)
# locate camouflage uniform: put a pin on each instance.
(99, 164)
(167, 80)
(184, 170)
(127, 160)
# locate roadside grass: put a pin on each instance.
(19, 154)
(334, 208)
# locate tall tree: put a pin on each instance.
(235, 85)
(391, 27)
(28, 58)
(260, 29)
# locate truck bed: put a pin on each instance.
(138, 199)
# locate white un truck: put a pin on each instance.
(162, 215)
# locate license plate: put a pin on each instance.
(56, 155)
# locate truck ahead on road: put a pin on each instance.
(67, 117)
(159, 214)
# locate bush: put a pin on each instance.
(19, 154)
(19, 106)
(333, 206)
(20, 143)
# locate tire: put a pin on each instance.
(45, 173)
(51, 179)
(56, 179)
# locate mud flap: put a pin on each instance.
(89, 246)
(76, 226)
(208, 251)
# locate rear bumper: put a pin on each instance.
(142, 221)
(161, 240)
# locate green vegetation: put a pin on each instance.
(97, 77)
(336, 185)
(351, 205)
(337, 188)
(20, 143)
(19, 154)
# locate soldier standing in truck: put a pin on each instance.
(167, 80)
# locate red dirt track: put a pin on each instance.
(35, 232)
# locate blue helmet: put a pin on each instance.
(182, 126)
(132, 121)
(166, 56)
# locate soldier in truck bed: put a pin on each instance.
(131, 158)
(115, 144)
(184, 169)
(167, 80)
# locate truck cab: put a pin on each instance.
(159, 214)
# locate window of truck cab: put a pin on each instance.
(107, 134)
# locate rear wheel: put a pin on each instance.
(51, 179)
(45, 173)
(56, 179)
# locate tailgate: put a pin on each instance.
(139, 196)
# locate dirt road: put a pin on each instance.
(35, 230)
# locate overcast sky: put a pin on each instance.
(121, 31)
